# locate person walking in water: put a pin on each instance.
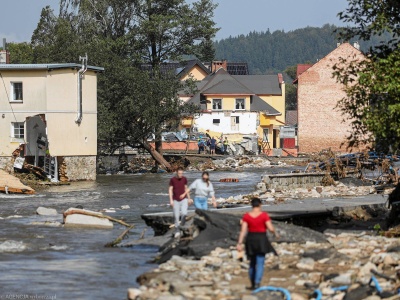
(255, 224)
(202, 189)
(178, 190)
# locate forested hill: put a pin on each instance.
(267, 52)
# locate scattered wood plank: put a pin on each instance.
(119, 238)
(11, 184)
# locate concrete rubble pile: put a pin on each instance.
(337, 266)
(234, 163)
(271, 196)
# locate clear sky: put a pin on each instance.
(18, 18)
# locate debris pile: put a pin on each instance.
(11, 184)
(336, 266)
(236, 163)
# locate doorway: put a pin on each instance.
(235, 123)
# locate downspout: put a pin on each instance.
(81, 72)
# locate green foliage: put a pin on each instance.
(291, 71)
(371, 18)
(290, 96)
(372, 99)
(270, 53)
(22, 53)
(120, 35)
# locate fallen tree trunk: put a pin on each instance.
(157, 156)
(98, 215)
(119, 238)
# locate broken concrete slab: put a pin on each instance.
(80, 219)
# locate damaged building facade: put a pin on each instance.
(240, 105)
(49, 113)
(320, 122)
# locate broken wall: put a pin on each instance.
(75, 168)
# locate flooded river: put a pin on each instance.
(69, 263)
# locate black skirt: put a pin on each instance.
(258, 243)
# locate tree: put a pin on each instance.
(20, 53)
(271, 53)
(120, 35)
(372, 99)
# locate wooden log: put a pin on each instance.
(12, 190)
(142, 234)
(157, 156)
(119, 238)
(98, 215)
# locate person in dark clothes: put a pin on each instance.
(201, 145)
(213, 144)
(255, 224)
(178, 189)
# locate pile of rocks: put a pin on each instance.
(278, 195)
(234, 163)
(304, 269)
(338, 190)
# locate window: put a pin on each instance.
(217, 104)
(16, 92)
(265, 134)
(240, 104)
(18, 130)
(216, 122)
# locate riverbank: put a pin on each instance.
(344, 259)
(348, 253)
(131, 164)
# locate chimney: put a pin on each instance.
(280, 78)
(216, 65)
(4, 54)
(356, 45)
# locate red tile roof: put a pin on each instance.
(301, 68)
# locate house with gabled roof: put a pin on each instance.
(238, 105)
(48, 118)
(320, 123)
(183, 70)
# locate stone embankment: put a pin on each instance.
(334, 265)
(145, 164)
(234, 163)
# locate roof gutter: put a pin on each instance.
(81, 72)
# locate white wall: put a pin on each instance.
(247, 122)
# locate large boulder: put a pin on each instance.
(43, 211)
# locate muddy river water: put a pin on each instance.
(44, 262)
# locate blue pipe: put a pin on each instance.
(274, 289)
(318, 294)
(340, 288)
(377, 286)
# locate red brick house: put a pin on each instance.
(320, 124)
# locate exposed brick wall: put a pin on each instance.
(320, 123)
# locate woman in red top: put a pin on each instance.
(255, 225)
